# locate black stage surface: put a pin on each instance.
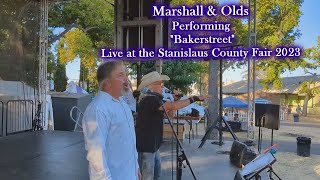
(43, 155)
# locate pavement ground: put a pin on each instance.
(212, 161)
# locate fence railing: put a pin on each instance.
(282, 115)
(243, 116)
(19, 116)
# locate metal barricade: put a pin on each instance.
(76, 116)
(19, 116)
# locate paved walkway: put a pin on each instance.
(208, 164)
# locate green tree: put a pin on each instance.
(95, 17)
(277, 25)
(309, 89)
(313, 55)
(182, 74)
(77, 44)
(88, 25)
(51, 65)
(60, 78)
(19, 41)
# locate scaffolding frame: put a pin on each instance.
(252, 38)
(139, 22)
(43, 56)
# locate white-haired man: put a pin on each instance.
(149, 125)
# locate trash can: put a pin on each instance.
(296, 117)
(303, 146)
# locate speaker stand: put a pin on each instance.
(271, 171)
(271, 137)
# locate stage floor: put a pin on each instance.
(43, 155)
(60, 155)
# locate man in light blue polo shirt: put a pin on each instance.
(109, 129)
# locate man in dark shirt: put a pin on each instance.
(149, 125)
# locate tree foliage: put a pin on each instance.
(88, 25)
(309, 89)
(60, 78)
(19, 41)
(182, 74)
(277, 23)
(313, 54)
(77, 44)
(95, 17)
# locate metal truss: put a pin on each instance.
(251, 69)
(43, 55)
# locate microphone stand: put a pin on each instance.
(183, 156)
(220, 119)
(178, 172)
(218, 123)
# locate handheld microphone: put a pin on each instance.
(136, 94)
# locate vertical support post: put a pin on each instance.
(159, 40)
(251, 69)
(115, 20)
(220, 102)
(118, 9)
(43, 50)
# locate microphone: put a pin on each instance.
(136, 94)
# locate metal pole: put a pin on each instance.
(220, 104)
(43, 54)
(251, 70)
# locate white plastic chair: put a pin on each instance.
(79, 114)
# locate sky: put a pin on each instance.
(308, 26)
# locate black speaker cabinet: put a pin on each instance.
(267, 115)
(240, 154)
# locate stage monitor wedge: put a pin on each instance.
(240, 154)
(267, 115)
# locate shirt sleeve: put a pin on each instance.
(95, 129)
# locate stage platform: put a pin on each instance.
(60, 155)
(43, 155)
(52, 155)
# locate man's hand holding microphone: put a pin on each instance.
(197, 98)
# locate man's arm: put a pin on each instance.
(95, 126)
(176, 104)
(181, 103)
